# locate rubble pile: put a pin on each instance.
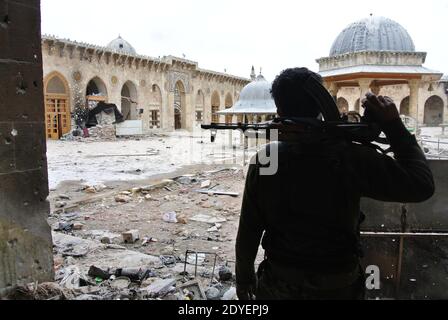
(169, 240)
(103, 132)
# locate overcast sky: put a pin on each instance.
(236, 34)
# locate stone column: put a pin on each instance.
(26, 249)
(364, 86)
(414, 87)
(168, 114)
(189, 111)
(333, 89)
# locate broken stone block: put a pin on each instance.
(100, 187)
(182, 220)
(192, 291)
(208, 219)
(106, 240)
(206, 184)
(213, 229)
(170, 217)
(78, 226)
(122, 199)
(160, 287)
(60, 204)
(130, 236)
(90, 190)
(136, 190)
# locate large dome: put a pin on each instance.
(373, 34)
(121, 45)
(255, 98)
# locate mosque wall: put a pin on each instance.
(147, 85)
(400, 94)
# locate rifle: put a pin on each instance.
(357, 129)
(362, 132)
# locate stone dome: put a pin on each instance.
(121, 45)
(373, 34)
(255, 98)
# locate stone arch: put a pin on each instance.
(404, 106)
(55, 83)
(342, 105)
(155, 107)
(228, 103)
(434, 111)
(57, 105)
(129, 101)
(199, 108)
(179, 106)
(215, 106)
(96, 87)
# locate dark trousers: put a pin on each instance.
(277, 283)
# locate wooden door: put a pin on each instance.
(58, 120)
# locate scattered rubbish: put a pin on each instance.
(225, 274)
(130, 236)
(196, 258)
(63, 197)
(192, 291)
(170, 217)
(230, 295)
(121, 283)
(208, 219)
(64, 226)
(212, 293)
(96, 272)
(168, 189)
(219, 193)
(135, 274)
(73, 278)
(168, 260)
(147, 240)
(160, 287)
(186, 180)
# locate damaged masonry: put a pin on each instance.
(109, 195)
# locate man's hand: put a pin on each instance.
(246, 292)
(380, 109)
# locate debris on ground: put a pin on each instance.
(134, 243)
(131, 236)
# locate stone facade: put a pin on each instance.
(26, 250)
(430, 93)
(165, 93)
